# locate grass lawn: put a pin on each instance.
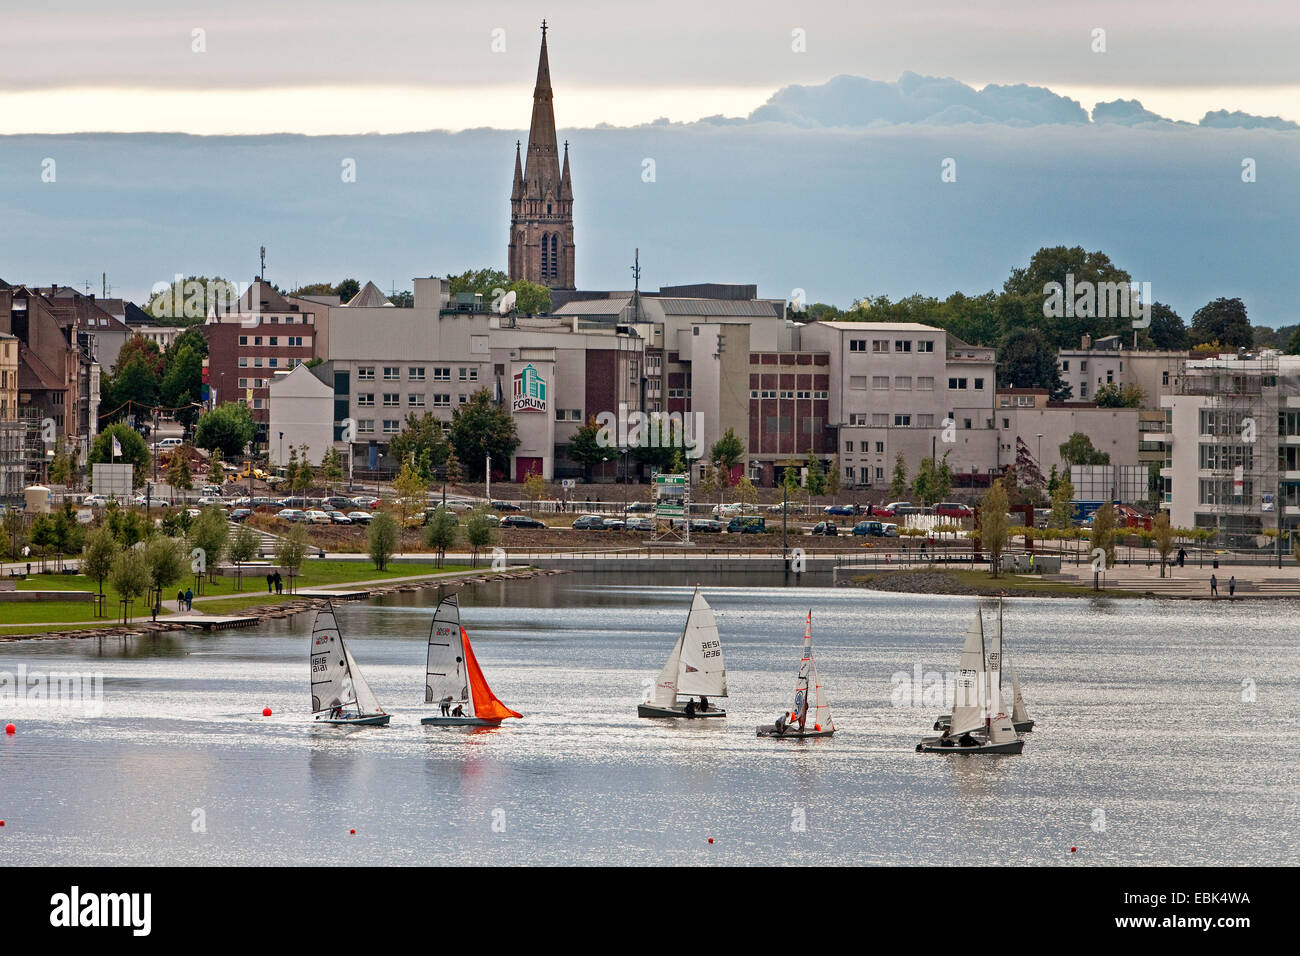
(19, 617)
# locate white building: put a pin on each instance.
(301, 409)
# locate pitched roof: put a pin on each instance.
(369, 298)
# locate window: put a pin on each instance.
(822, 395)
(392, 399)
(243, 340)
(857, 345)
(415, 400)
(243, 383)
(272, 362)
(1083, 389)
(257, 340)
(902, 345)
(858, 418)
(391, 426)
(925, 383)
(857, 381)
(925, 345)
(879, 382)
(924, 421)
(275, 340)
(442, 374)
(1164, 378)
(365, 373)
(965, 423)
(415, 373)
(880, 448)
(257, 361)
(848, 472)
(257, 403)
(903, 382)
(979, 384)
(956, 383)
(1006, 423)
(902, 421)
(879, 345)
(441, 401)
(365, 424)
(391, 373)
(366, 400)
(848, 447)
(1110, 375)
(1065, 365)
(880, 419)
(1083, 366)
(243, 361)
(1024, 401)
(880, 473)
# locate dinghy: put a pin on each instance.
(1020, 718)
(339, 694)
(977, 728)
(695, 668)
(806, 685)
(453, 679)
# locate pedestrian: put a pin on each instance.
(1232, 585)
(189, 599)
(180, 600)
(1182, 556)
(270, 582)
(279, 583)
(1214, 586)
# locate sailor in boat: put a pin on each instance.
(704, 703)
(445, 704)
(690, 708)
(459, 711)
(781, 724)
(966, 740)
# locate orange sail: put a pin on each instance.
(486, 705)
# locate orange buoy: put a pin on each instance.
(817, 727)
(710, 839)
(10, 729)
(266, 711)
(352, 831)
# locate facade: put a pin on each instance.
(301, 415)
(1232, 446)
(1027, 414)
(541, 246)
(1107, 362)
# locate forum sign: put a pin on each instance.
(529, 390)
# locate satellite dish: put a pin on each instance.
(507, 303)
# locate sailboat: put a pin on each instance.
(453, 679)
(977, 727)
(695, 668)
(339, 694)
(806, 685)
(1020, 718)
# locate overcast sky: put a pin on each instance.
(328, 66)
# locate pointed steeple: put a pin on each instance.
(543, 167)
(566, 184)
(517, 192)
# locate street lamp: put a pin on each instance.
(624, 452)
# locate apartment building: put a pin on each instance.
(1232, 446)
(909, 388)
(1107, 361)
(1029, 415)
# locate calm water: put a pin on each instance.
(1141, 727)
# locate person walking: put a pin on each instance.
(1232, 586)
(270, 582)
(1182, 556)
(189, 599)
(180, 601)
(1214, 586)
(279, 583)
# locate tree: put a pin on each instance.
(530, 298)
(833, 478)
(1078, 450)
(790, 480)
(423, 443)
(478, 532)
(133, 386)
(480, 428)
(42, 536)
(411, 489)
(178, 470)
(1103, 534)
(1112, 395)
(898, 481)
(101, 551)
(164, 561)
(302, 478)
(62, 467)
(994, 525)
(1162, 535)
(382, 538)
(244, 546)
(746, 493)
(15, 531)
(1027, 360)
(585, 448)
(1223, 321)
(331, 468)
(128, 526)
(182, 384)
(1167, 330)
(347, 290)
(228, 428)
(815, 484)
(129, 578)
(1063, 504)
(69, 538)
(727, 452)
(534, 489)
(134, 451)
(440, 533)
(192, 298)
(210, 532)
(291, 550)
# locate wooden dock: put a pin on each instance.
(212, 622)
(350, 595)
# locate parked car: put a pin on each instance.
(211, 500)
(589, 523)
(360, 517)
(876, 511)
(734, 508)
(338, 502)
(168, 443)
(504, 506)
(840, 510)
(706, 526)
(95, 501)
(640, 524)
(289, 514)
(872, 528)
(614, 524)
(521, 521)
(211, 490)
(829, 528)
(953, 509)
(365, 501)
(789, 507)
(889, 530)
(460, 504)
(747, 524)
(641, 507)
(265, 502)
(240, 514)
(338, 517)
(315, 516)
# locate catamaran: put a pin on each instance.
(1020, 718)
(339, 694)
(695, 668)
(977, 727)
(453, 679)
(795, 724)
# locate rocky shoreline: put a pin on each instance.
(270, 612)
(940, 582)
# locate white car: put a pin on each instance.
(317, 517)
(211, 500)
(167, 443)
(95, 501)
(734, 508)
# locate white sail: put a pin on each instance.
(665, 694)
(445, 673)
(1018, 712)
(1000, 727)
(331, 685)
(810, 702)
(702, 670)
(367, 702)
(967, 707)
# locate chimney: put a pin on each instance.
(1086, 343)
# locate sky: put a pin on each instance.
(795, 145)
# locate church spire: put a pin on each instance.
(517, 192)
(566, 184)
(542, 153)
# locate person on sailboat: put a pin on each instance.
(459, 711)
(704, 703)
(690, 707)
(445, 704)
(966, 740)
(781, 724)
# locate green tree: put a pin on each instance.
(129, 578)
(291, 551)
(479, 532)
(1103, 533)
(994, 525)
(746, 493)
(43, 536)
(1168, 332)
(440, 533)
(347, 290)
(15, 531)
(1112, 395)
(833, 478)
(134, 451)
(127, 525)
(530, 298)
(382, 539)
(210, 532)
(69, 537)
(1078, 450)
(245, 546)
(790, 479)
(1223, 321)
(480, 428)
(1162, 535)
(178, 471)
(1028, 360)
(1063, 504)
(182, 384)
(815, 484)
(898, 481)
(191, 299)
(411, 489)
(331, 469)
(133, 386)
(228, 428)
(101, 551)
(585, 448)
(303, 479)
(165, 562)
(423, 443)
(534, 489)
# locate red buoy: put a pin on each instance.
(266, 711)
(10, 729)
(352, 831)
(817, 727)
(710, 839)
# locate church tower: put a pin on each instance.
(541, 202)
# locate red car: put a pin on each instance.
(953, 509)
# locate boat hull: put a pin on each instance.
(944, 721)
(676, 710)
(459, 722)
(769, 730)
(932, 745)
(365, 720)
